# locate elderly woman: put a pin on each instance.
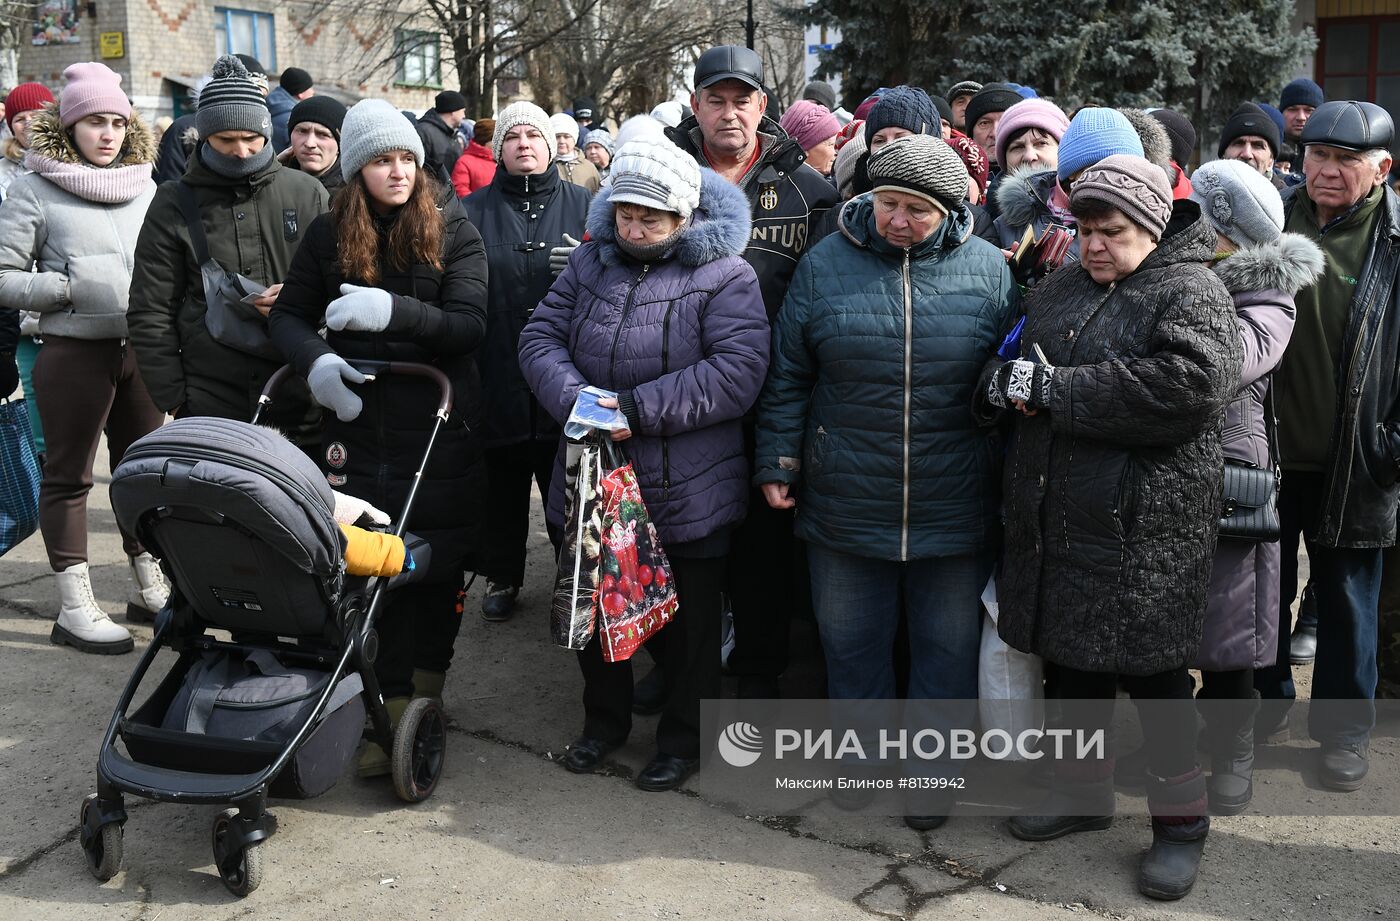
(660, 307)
(1112, 492)
(812, 125)
(866, 426)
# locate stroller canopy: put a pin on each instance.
(246, 473)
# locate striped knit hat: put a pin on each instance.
(922, 165)
(655, 174)
(231, 101)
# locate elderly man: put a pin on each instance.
(1251, 136)
(731, 134)
(1339, 427)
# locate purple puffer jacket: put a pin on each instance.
(685, 338)
(1241, 623)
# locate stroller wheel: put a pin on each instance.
(102, 850)
(420, 746)
(240, 868)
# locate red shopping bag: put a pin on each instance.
(636, 594)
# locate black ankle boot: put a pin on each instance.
(1230, 726)
(1169, 869)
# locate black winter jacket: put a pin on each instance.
(521, 218)
(441, 148)
(788, 200)
(1363, 475)
(1112, 495)
(439, 318)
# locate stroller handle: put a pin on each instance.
(372, 369)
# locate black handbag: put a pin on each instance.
(230, 321)
(1249, 500)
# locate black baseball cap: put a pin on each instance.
(729, 62)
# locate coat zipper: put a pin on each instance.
(622, 321)
(665, 368)
(908, 399)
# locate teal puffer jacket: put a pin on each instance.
(868, 405)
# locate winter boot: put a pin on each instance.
(374, 761)
(1179, 828)
(428, 684)
(1230, 726)
(81, 623)
(149, 591)
(1080, 799)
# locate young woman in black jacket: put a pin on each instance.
(395, 272)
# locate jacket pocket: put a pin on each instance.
(97, 285)
(1130, 502)
(820, 459)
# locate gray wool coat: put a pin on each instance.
(1112, 494)
(1241, 624)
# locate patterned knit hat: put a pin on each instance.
(27, 97)
(809, 123)
(232, 101)
(601, 138)
(373, 127)
(973, 157)
(964, 88)
(1134, 185)
(922, 165)
(655, 174)
(90, 89)
(1040, 114)
(905, 107)
(1239, 202)
(1093, 134)
(521, 113)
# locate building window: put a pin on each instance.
(420, 60)
(1360, 59)
(246, 32)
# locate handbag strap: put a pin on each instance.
(189, 206)
(1271, 429)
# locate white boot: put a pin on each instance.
(149, 590)
(81, 623)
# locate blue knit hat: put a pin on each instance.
(1274, 115)
(1301, 92)
(904, 107)
(1094, 134)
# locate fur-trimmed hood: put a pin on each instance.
(48, 138)
(1288, 264)
(719, 227)
(1022, 195)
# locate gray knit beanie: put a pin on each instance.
(373, 127)
(1239, 202)
(1134, 185)
(521, 113)
(922, 165)
(231, 101)
(601, 138)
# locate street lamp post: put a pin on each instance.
(749, 27)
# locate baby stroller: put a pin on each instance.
(242, 523)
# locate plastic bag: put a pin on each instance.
(576, 580)
(19, 476)
(588, 416)
(1010, 687)
(636, 593)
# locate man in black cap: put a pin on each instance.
(1251, 136)
(293, 86)
(586, 114)
(982, 114)
(438, 129)
(1337, 399)
(731, 133)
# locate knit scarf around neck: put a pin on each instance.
(111, 185)
(652, 252)
(233, 167)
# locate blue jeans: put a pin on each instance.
(857, 601)
(1347, 586)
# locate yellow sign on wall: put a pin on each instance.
(113, 45)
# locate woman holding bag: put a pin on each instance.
(395, 272)
(660, 307)
(77, 215)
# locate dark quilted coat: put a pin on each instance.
(687, 337)
(1241, 626)
(438, 318)
(1113, 493)
(868, 405)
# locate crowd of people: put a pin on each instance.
(841, 369)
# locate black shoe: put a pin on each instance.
(1271, 722)
(924, 822)
(665, 772)
(759, 687)
(1302, 645)
(499, 602)
(1050, 827)
(584, 754)
(136, 614)
(1343, 767)
(1169, 869)
(649, 694)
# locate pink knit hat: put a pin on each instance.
(1030, 113)
(809, 123)
(90, 88)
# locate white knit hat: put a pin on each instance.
(655, 174)
(373, 127)
(559, 123)
(521, 113)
